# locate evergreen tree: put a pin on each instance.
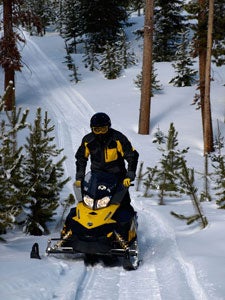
(126, 57)
(37, 14)
(10, 167)
(218, 50)
(115, 57)
(66, 204)
(71, 24)
(91, 59)
(43, 177)
(169, 21)
(200, 29)
(186, 177)
(137, 5)
(110, 64)
(186, 76)
(12, 194)
(103, 20)
(96, 25)
(156, 86)
(218, 163)
(71, 66)
(170, 163)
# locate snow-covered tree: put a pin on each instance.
(164, 176)
(110, 64)
(10, 167)
(170, 163)
(186, 75)
(43, 176)
(198, 10)
(126, 57)
(102, 20)
(156, 86)
(90, 57)
(218, 163)
(137, 5)
(75, 76)
(169, 21)
(187, 184)
(37, 15)
(71, 24)
(12, 193)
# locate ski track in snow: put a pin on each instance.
(71, 105)
(176, 277)
(163, 273)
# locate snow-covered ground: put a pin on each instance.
(178, 261)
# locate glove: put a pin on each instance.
(131, 175)
(126, 182)
(77, 183)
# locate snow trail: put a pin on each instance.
(176, 277)
(59, 97)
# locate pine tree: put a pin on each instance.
(200, 29)
(110, 63)
(169, 21)
(12, 194)
(137, 5)
(170, 163)
(102, 20)
(10, 165)
(156, 86)
(91, 59)
(37, 15)
(126, 57)
(71, 24)
(218, 163)
(186, 177)
(43, 177)
(114, 57)
(186, 75)
(218, 50)
(71, 65)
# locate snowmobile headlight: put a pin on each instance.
(103, 202)
(88, 201)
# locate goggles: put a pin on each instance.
(100, 130)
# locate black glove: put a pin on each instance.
(131, 175)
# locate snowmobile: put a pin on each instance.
(100, 227)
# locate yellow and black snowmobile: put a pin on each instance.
(100, 226)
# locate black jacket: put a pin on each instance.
(107, 153)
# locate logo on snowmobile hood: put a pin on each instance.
(102, 187)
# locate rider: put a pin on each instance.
(108, 150)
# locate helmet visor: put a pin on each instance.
(100, 130)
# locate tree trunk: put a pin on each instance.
(8, 37)
(202, 46)
(208, 131)
(144, 116)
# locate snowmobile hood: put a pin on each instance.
(94, 218)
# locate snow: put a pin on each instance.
(178, 261)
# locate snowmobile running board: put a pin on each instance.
(55, 249)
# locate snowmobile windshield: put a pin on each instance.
(100, 189)
(98, 185)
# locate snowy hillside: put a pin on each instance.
(178, 261)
